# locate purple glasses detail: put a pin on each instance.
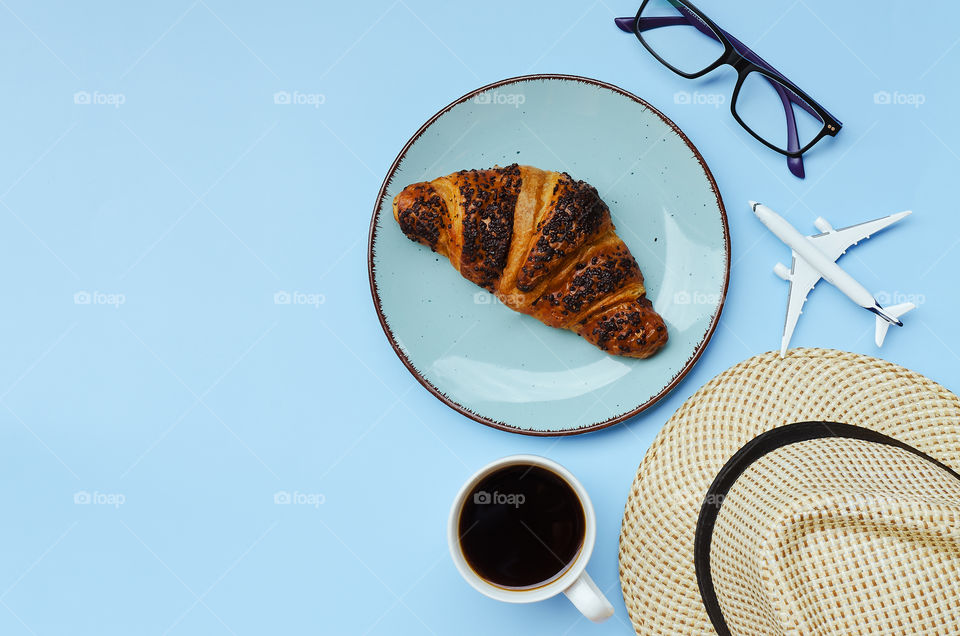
(690, 44)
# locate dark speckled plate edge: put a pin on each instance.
(451, 402)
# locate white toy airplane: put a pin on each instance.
(814, 258)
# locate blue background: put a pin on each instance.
(181, 412)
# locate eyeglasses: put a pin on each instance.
(691, 45)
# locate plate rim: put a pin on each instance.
(460, 408)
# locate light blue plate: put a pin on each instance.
(508, 370)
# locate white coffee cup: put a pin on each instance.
(574, 581)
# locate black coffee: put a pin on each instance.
(521, 526)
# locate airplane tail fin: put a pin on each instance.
(890, 316)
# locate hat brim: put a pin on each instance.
(657, 572)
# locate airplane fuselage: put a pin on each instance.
(828, 269)
(814, 258)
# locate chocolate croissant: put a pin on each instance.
(542, 242)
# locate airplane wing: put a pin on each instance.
(835, 243)
(802, 279)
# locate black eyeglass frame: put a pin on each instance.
(745, 61)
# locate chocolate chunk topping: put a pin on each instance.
(625, 328)
(576, 216)
(421, 213)
(489, 200)
(605, 274)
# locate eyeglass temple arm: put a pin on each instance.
(795, 164)
(626, 24)
(748, 53)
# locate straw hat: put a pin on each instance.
(815, 494)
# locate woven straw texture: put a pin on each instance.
(839, 536)
(656, 542)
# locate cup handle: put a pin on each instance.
(587, 597)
